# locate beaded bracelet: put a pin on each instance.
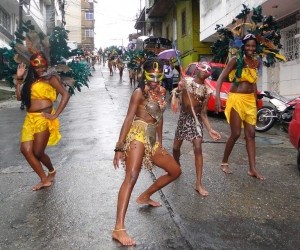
(119, 149)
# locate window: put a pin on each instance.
(291, 43)
(183, 23)
(89, 15)
(4, 19)
(290, 36)
(190, 70)
(89, 33)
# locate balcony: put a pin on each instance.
(140, 22)
(160, 8)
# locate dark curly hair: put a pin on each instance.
(31, 77)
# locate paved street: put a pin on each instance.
(78, 211)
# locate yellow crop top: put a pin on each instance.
(248, 75)
(43, 90)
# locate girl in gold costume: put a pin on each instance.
(41, 125)
(241, 104)
(140, 143)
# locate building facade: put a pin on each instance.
(43, 14)
(87, 24)
(177, 21)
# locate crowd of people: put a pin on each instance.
(140, 142)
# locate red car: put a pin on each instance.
(217, 68)
(294, 132)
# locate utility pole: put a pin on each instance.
(20, 13)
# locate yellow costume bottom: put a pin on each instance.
(35, 123)
(244, 105)
(146, 134)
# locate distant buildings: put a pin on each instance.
(44, 15)
(80, 21)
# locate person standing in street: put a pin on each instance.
(140, 143)
(193, 114)
(168, 76)
(120, 65)
(241, 105)
(41, 125)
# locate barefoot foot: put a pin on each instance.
(201, 191)
(122, 236)
(42, 185)
(147, 201)
(225, 168)
(254, 173)
(51, 175)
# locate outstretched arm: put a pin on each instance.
(213, 134)
(230, 66)
(20, 75)
(133, 105)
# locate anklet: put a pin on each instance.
(117, 230)
(52, 172)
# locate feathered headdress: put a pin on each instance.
(264, 29)
(73, 74)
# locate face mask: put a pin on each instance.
(204, 67)
(153, 77)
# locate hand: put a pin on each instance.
(21, 70)
(119, 156)
(49, 116)
(214, 134)
(180, 85)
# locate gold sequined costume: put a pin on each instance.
(145, 132)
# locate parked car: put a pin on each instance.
(217, 68)
(294, 132)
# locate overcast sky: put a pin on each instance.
(114, 20)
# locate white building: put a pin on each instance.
(73, 20)
(44, 15)
(283, 78)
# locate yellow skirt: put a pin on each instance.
(35, 123)
(146, 134)
(244, 105)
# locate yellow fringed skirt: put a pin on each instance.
(146, 134)
(35, 123)
(244, 105)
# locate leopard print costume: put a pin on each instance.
(186, 126)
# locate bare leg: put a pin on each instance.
(176, 150)
(32, 157)
(121, 73)
(250, 145)
(199, 165)
(235, 132)
(133, 167)
(164, 160)
(39, 145)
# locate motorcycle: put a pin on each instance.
(281, 111)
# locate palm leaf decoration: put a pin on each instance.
(27, 41)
